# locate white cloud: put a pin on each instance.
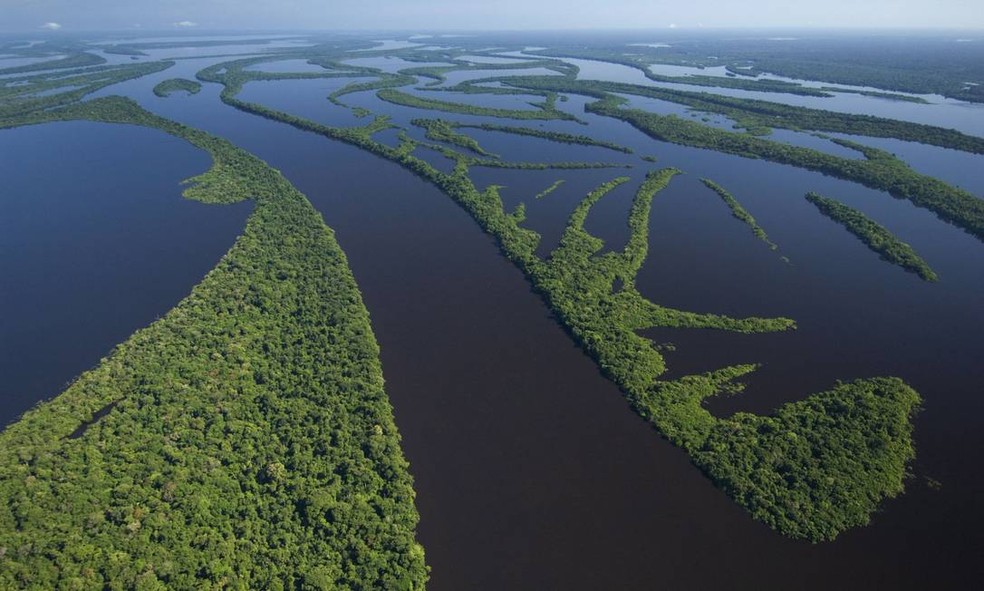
(186, 24)
(50, 26)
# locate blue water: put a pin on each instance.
(531, 470)
(95, 243)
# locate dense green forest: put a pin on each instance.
(75, 59)
(545, 110)
(440, 130)
(553, 187)
(874, 235)
(173, 85)
(825, 438)
(243, 441)
(918, 65)
(740, 212)
(619, 56)
(757, 115)
(20, 95)
(553, 136)
(877, 170)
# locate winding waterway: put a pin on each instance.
(531, 471)
(95, 250)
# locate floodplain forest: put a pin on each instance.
(244, 440)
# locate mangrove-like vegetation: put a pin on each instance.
(617, 56)
(546, 110)
(875, 236)
(931, 66)
(37, 92)
(440, 130)
(553, 136)
(76, 59)
(758, 115)
(877, 170)
(170, 86)
(811, 470)
(245, 441)
(242, 441)
(553, 187)
(740, 212)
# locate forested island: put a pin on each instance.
(175, 85)
(740, 212)
(874, 235)
(245, 439)
(175, 461)
(595, 299)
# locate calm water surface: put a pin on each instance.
(95, 242)
(531, 471)
(858, 318)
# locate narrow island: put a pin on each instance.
(740, 212)
(553, 136)
(546, 110)
(255, 409)
(441, 130)
(171, 86)
(556, 185)
(769, 464)
(875, 236)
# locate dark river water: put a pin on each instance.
(96, 241)
(531, 471)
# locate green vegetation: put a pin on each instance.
(554, 136)
(232, 76)
(476, 87)
(495, 163)
(752, 113)
(243, 441)
(440, 130)
(758, 116)
(124, 50)
(443, 130)
(926, 66)
(545, 110)
(385, 81)
(905, 98)
(409, 145)
(35, 93)
(78, 59)
(811, 470)
(438, 74)
(923, 66)
(556, 185)
(878, 170)
(579, 284)
(874, 235)
(740, 212)
(618, 56)
(248, 429)
(171, 85)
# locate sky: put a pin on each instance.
(81, 15)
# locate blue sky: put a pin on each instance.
(67, 15)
